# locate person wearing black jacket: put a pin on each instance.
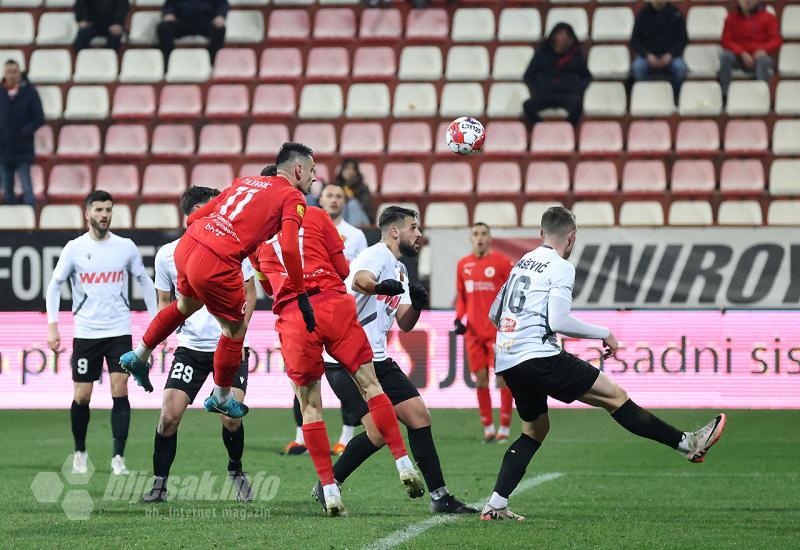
(192, 18)
(659, 38)
(100, 18)
(557, 76)
(20, 116)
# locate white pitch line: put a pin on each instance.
(407, 533)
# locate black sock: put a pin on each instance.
(355, 454)
(120, 421)
(424, 450)
(164, 449)
(645, 424)
(79, 414)
(298, 416)
(234, 442)
(515, 462)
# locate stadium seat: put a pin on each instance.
(17, 216)
(692, 177)
(163, 180)
(553, 138)
(44, 141)
(783, 213)
(180, 101)
(288, 25)
(594, 213)
(143, 28)
(275, 100)
(690, 213)
(234, 65)
(783, 178)
(50, 66)
(506, 99)
(473, 25)
(574, 16)
(648, 137)
(420, 63)
(450, 178)
(701, 98)
(16, 28)
(652, 99)
(410, 205)
(157, 216)
(741, 176)
(330, 63)
(748, 98)
(321, 137)
(612, 24)
(789, 60)
(705, 22)
(428, 24)
(281, 64)
(786, 137)
(702, 60)
(740, 213)
(532, 212)
(133, 102)
(322, 101)
(644, 176)
(746, 136)
(410, 137)
(510, 62)
(244, 27)
(37, 178)
(499, 178)
(611, 62)
(547, 178)
(189, 65)
(364, 138)
(496, 214)
(254, 169)
(69, 181)
(121, 180)
(462, 99)
(641, 213)
(61, 216)
(56, 29)
(697, 136)
(78, 141)
(403, 178)
(122, 217)
(227, 100)
(467, 63)
(507, 138)
(126, 141)
(14, 54)
(368, 101)
(595, 177)
(335, 24)
(52, 102)
(376, 62)
(790, 22)
(220, 140)
(96, 65)
(787, 97)
(214, 175)
(446, 214)
(173, 140)
(519, 25)
(264, 139)
(142, 65)
(414, 100)
(600, 137)
(605, 99)
(381, 24)
(87, 103)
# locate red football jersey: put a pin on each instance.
(478, 282)
(246, 214)
(319, 242)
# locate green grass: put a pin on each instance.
(616, 491)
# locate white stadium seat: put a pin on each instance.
(414, 100)
(702, 59)
(609, 62)
(52, 101)
(641, 213)
(244, 27)
(520, 25)
(790, 22)
(612, 24)
(748, 98)
(16, 28)
(420, 63)
(467, 63)
(157, 216)
(368, 101)
(701, 98)
(605, 99)
(506, 99)
(652, 99)
(142, 65)
(705, 22)
(783, 178)
(87, 102)
(61, 216)
(17, 216)
(473, 25)
(574, 16)
(786, 137)
(50, 66)
(462, 100)
(143, 28)
(20, 3)
(789, 60)
(532, 212)
(446, 214)
(96, 65)
(594, 213)
(496, 214)
(740, 213)
(321, 101)
(787, 97)
(16, 55)
(690, 213)
(121, 215)
(783, 213)
(510, 62)
(189, 65)
(56, 29)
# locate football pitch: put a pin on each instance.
(592, 485)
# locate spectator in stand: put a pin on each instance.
(358, 208)
(192, 18)
(100, 18)
(20, 116)
(557, 76)
(659, 38)
(749, 40)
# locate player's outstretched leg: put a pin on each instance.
(227, 359)
(298, 445)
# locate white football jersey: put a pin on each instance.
(201, 331)
(376, 313)
(98, 274)
(354, 240)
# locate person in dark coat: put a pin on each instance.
(192, 18)
(557, 76)
(100, 18)
(20, 116)
(358, 207)
(659, 38)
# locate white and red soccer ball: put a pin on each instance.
(465, 135)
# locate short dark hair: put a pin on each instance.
(196, 195)
(291, 151)
(558, 220)
(97, 195)
(269, 170)
(393, 214)
(333, 183)
(10, 61)
(480, 224)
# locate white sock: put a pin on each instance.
(683, 446)
(497, 502)
(222, 394)
(404, 463)
(331, 490)
(143, 352)
(347, 434)
(504, 430)
(489, 430)
(298, 436)
(441, 492)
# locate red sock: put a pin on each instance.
(162, 325)
(226, 360)
(316, 436)
(485, 406)
(385, 419)
(506, 404)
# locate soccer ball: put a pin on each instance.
(465, 135)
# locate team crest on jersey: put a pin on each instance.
(489, 272)
(301, 210)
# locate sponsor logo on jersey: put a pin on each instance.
(489, 272)
(508, 325)
(101, 277)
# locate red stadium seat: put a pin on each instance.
(134, 101)
(70, 181)
(121, 180)
(370, 173)
(263, 140)
(741, 177)
(547, 178)
(253, 169)
(376, 62)
(44, 141)
(335, 24)
(600, 137)
(320, 137)
(697, 136)
(403, 178)
(324, 175)
(180, 101)
(381, 24)
(499, 178)
(173, 141)
(692, 177)
(410, 137)
(289, 25)
(644, 176)
(78, 141)
(440, 139)
(220, 140)
(746, 136)
(163, 180)
(595, 177)
(430, 23)
(359, 138)
(649, 137)
(218, 176)
(328, 63)
(274, 100)
(506, 137)
(450, 178)
(281, 64)
(227, 100)
(126, 141)
(553, 138)
(234, 65)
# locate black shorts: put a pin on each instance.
(393, 380)
(563, 377)
(88, 354)
(190, 368)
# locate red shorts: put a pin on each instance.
(480, 353)
(338, 330)
(207, 277)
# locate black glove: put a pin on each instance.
(389, 287)
(459, 327)
(419, 296)
(307, 311)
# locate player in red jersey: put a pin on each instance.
(339, 332)
(208, 260)
(479, 277)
